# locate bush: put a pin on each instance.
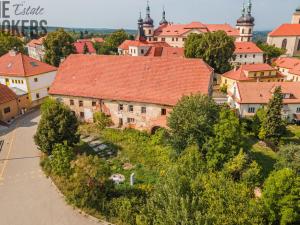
(101, 121)
(60, 160)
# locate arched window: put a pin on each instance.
(298, 47)
(243, 31)
(284, 44)
(250, 31)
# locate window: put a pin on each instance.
(254, 56)
(254, 74)
(173, 39)
(245, 56)
(130, 108)
(149, 32)
(163, 39)
(142, 51)
(13, 81)
(94, 103)
(35, 80)
(37, 95)
(7, 110)
(130, 120)
(251, 110)
(71, 102)
(284, 44)
(121, 107)
(298, 46)
(176, 39)
(155, 39)
(23, 82)
(143, 110)
(250, 31)
(81, 114)
(241, 56)
(80, 103)
(243, 31)
(298, 110)
(163, 112)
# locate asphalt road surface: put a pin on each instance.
(27, 197)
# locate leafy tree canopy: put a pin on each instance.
(9, 42)
(281, 197)
(215, 48)
(270, 51)
(57, 125)
(58, 45)
(289, 157)
(116, 38)
(192, 121)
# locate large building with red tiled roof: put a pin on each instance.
(176, 34)
(135, 91)
(287, 36)
(251, 73)
(247, 53)
(20, 71)
(248, 97)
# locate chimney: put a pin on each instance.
(13, 52)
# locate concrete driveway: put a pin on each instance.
(27, 197)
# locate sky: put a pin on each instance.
(124, 13)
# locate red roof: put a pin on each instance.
(240, 74)
(287, 62)
(155, 80)
(286, 30)
(35, 42)
(165, 52)
(20, 65)
(79, 46)
(180, 29)
(100, 40)
(246, 47)
(6, 94)
(261, 92)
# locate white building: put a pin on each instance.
(27, 74)
(248, 97)
(289, 67)
(247, 53)
(36, 49)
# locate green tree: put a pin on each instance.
(115, 39)
(270, 51)
(281, 197)
(226, 141)
(60, 160)
(9, 42)
(89, 183)
(104, 49)
(85, 49)
(273, 126)
(58, 45)
(192, 121)
(215, 48)
(257, 121)
(289, 157)
(101, 120)
(189, 195)
(57, 125)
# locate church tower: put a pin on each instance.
(148, 25)
(163, 20)
(245, 23)
(296, 16)
(140, 35)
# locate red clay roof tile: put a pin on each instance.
(6, 94)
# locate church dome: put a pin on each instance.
(246, 19)
(148, 21)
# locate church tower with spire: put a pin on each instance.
(296, 16)
(140, 35)
(148, 25)
(245, 23)
(163, 20)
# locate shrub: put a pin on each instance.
(101, 121)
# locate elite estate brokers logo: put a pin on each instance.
(22, 26)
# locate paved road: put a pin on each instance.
(27, 197)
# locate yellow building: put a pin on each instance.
(251, 73)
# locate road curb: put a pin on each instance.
(79, 211)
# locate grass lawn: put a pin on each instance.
(265, 156)
(136, 152)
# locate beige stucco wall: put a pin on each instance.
(14, 111)
(292, 43)
(246, 58)
(142, 121)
